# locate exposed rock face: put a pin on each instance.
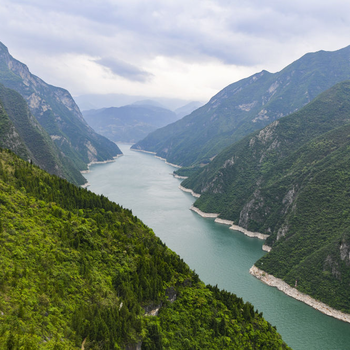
(11, 140)
(249, 210)
(333, 266)
(57, 112)
(137, 346)
(344, 250)
(282, 231)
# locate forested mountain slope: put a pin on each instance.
(10, 138)
(21, 133)
(245, 106)
(57, 112)
(129, 123)
(79, 271)
(291, 180)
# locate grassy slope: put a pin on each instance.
(77, 267)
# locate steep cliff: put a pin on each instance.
(57, 112)
(22, 133)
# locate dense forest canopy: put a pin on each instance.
(79, 271)
(290, 180)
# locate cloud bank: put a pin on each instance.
(183, 49)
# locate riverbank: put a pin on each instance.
(228, 222)
(194, 194)
(249, 233)
(102, 162)
(223, 221)
(85, 185)
(179, 176)
(266, 248)
(202, 214)
(294, 293)
(166, 162)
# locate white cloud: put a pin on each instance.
(167, 48)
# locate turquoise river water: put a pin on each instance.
(143, 183)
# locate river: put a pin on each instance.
(143, 183)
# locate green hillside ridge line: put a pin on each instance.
(57, 113)
(290, 181)
(40, 149)
(245, 106)
(79, 271)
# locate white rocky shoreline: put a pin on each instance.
(228, 222)
(267, 278)
(179, 176)
(249, 233)
(166, 162)
(192, 193)
(202, 214)
(294, 293)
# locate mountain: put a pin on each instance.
(149, 103)
(21, 133)
(10, 138)
(291, 180)
(81, 272)
(129, 123)
(245, 106)
(187, 109)
(58, 114)
(98, 101)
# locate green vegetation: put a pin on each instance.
(58, 114)
(29, 140)
(246, 106)
(291, 181)
(9, 138)
(79, 271)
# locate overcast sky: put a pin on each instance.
(187, 49)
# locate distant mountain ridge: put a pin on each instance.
(245, 106)
(57, 112)
(187, 109)
(129, 123)
(290, 180)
